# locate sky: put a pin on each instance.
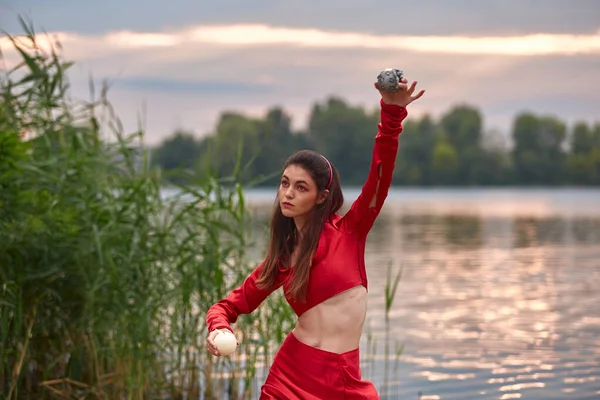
(182, 63)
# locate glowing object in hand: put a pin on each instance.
(226, 343)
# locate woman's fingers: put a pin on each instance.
(214, 352)
(210, 341)
(401, 86)
(418, 96)
(411, 90)
(212, 349)
(403, 96)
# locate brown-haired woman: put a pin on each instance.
(317, 256)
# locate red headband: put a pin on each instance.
(330, 171)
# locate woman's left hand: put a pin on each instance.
(403, 97)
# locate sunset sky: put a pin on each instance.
(186, 61)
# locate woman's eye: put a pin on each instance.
(283, 183)
(302, 188)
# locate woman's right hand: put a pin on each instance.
(403, 96)
(210, 341)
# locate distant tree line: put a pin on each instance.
(452, 151)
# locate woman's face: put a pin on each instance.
(298, 194)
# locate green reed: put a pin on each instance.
(391, 287)
(392, 351)
(104, 281)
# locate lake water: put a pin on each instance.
(499, 296)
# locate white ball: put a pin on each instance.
(389, 78)
(226, 343)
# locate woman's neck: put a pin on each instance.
(300, 223)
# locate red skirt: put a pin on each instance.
(302, 372)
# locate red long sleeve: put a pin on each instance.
(361, 217)
(242, 300)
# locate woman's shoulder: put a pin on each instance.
(334, 223)
(333, 218)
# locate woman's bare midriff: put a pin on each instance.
(334, 325)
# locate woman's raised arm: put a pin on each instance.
(366, 207)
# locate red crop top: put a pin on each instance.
(338, 263)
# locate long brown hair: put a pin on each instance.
(283, 233)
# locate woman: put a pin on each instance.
(317, 256)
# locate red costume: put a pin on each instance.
(337, 265)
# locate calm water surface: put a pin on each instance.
(499, 296)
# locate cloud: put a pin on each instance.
(187, 77)
(140, 40)
(245, 35)
(148, 53)
(531, 44)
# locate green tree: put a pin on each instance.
(181, 150)
(538, 153)
(463, 126)
(583, 162)
(493, 165)
(279, 141)
(416, 152)
(345, 135)
(582, 139)
(445, 163)
(233, 147)
(451, 151)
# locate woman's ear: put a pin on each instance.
(323, 196)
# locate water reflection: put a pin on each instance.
(495, 302)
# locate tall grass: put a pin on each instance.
(391, 286)
(104, 281)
